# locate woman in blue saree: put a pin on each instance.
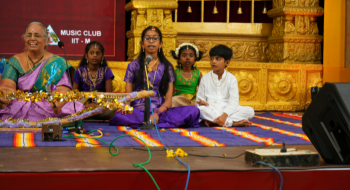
(29, 71)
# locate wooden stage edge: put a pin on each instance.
(71, 168)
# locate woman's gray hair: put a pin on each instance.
(42, 25)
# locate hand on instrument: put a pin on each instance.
(92, 104)
(3, 102)
(57, 107)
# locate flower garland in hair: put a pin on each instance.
(186, 44)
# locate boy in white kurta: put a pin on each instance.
(218, 95)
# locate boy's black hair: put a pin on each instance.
(87, 48)
(164, 83)
(221, 51)
(173, 53)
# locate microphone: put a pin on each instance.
(148, 59)
(61, 45)
(146, 116)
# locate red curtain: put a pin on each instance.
(195, 16)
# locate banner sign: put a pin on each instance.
(75, 23)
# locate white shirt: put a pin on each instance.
(223, 96)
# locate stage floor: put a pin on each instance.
(95, 168)
(70, 168)
(67, 159)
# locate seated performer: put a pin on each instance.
(187, 77)
(93, 74)
(161, 77)
(218, 96)
(29, 71)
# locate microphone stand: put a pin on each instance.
(147, 124)
(76, 128)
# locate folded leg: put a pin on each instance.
(183, 116)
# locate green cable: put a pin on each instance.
(110, 145)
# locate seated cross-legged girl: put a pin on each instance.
(93, 74)
(187, 76)
(161, 76)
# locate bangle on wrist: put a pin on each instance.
(165, 106)
(157, 111)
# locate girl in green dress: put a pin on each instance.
(186, 75)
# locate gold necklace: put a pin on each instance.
(187, 79)
(154, 78)
(31, 68)
(218, 78)
(27, 61)
(93, 77)
(150, 67)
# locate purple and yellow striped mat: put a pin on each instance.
(265, 129)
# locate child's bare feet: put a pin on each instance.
(243, 123)
(208, 123)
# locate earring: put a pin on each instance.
(143, 49)
(159, 49)
(180, 66)
(194, 66)
(101, 61)
(87, 61)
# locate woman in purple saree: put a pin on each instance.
(29, 71)
(161, 77)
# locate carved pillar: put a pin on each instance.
(146, 13)
(295, 37)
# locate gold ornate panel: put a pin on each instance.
(275, 64)
(295, 36)
(244, 48)
(273, 86)
(263, 86)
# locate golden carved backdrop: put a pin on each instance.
(275, 64)
(263, 86)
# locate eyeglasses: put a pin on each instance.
(36, 35)
(147, 39)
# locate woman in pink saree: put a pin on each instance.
(30, 71)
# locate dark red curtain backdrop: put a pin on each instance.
(183, 16)
(195, 16)
(258, 16)
(106, 16)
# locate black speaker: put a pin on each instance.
(327, 122)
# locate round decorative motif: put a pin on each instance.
(247, 84)
(282, 85)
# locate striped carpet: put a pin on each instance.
(265, 129)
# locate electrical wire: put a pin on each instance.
(155, 124)
(266, 164)
(93, 137)
(188, 166)
(115, 154)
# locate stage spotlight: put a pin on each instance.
(189, 9)
(265, 9)
(215, 10)
(239, 11)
